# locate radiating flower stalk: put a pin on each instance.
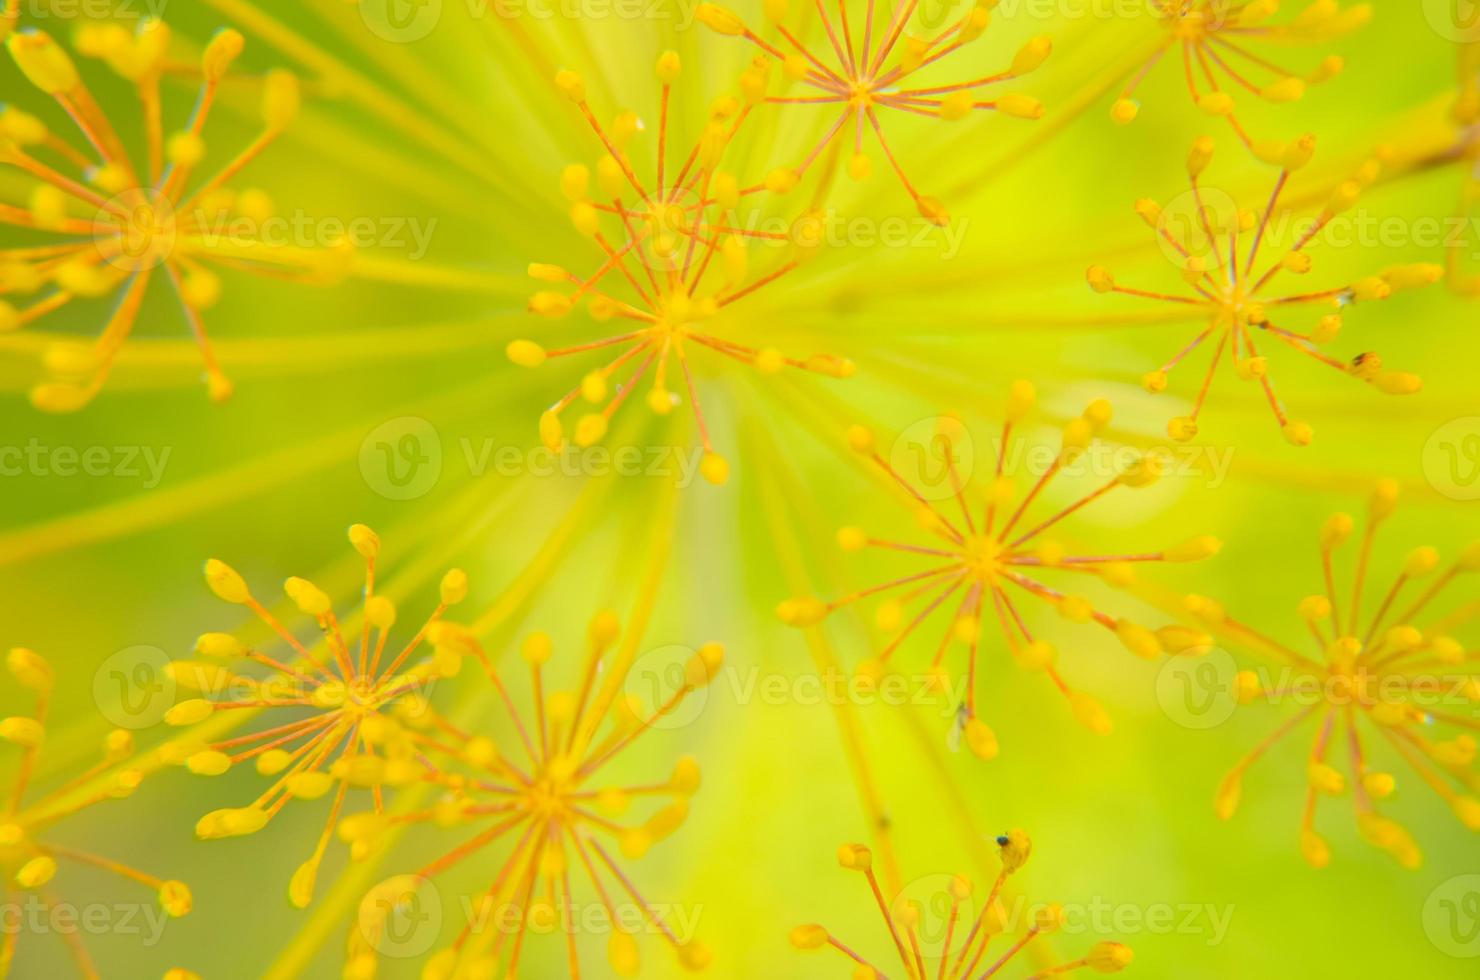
(1225, 283)
(31, 862)
(992, 555)
(539, 792)
(967, 937)
(869, 66)
(675, 247)
(107, 226)
(1375, 676)
(356, 702)
(1222, 45)
(1466, 114)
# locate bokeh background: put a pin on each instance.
(451, 121)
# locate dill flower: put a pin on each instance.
(106, 225)
(963, 947)
(1376, 676)
(29, 860)
(1223, 282)
(660, 239)
(1215, 39)
(353, 700)
(992, 555)
(853, 75)
(542, 794)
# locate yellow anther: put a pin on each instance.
(226, 583)
(43, 62)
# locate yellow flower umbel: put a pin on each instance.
(680, 257)
(1214, 38)
(992, 553)
(853, 73)
(358, 704)
(1373, 664)
(28, 861)
(1224, 283)
(966, 938)
(107, 226)
(542, 791)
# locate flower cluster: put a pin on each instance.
(1376, 675)
(1226, 284)
(31, 859)
(992, 554)
(103, 224)
(676, 257)
(964, 942)
(541, 793)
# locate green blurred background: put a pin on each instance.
(462, 126)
